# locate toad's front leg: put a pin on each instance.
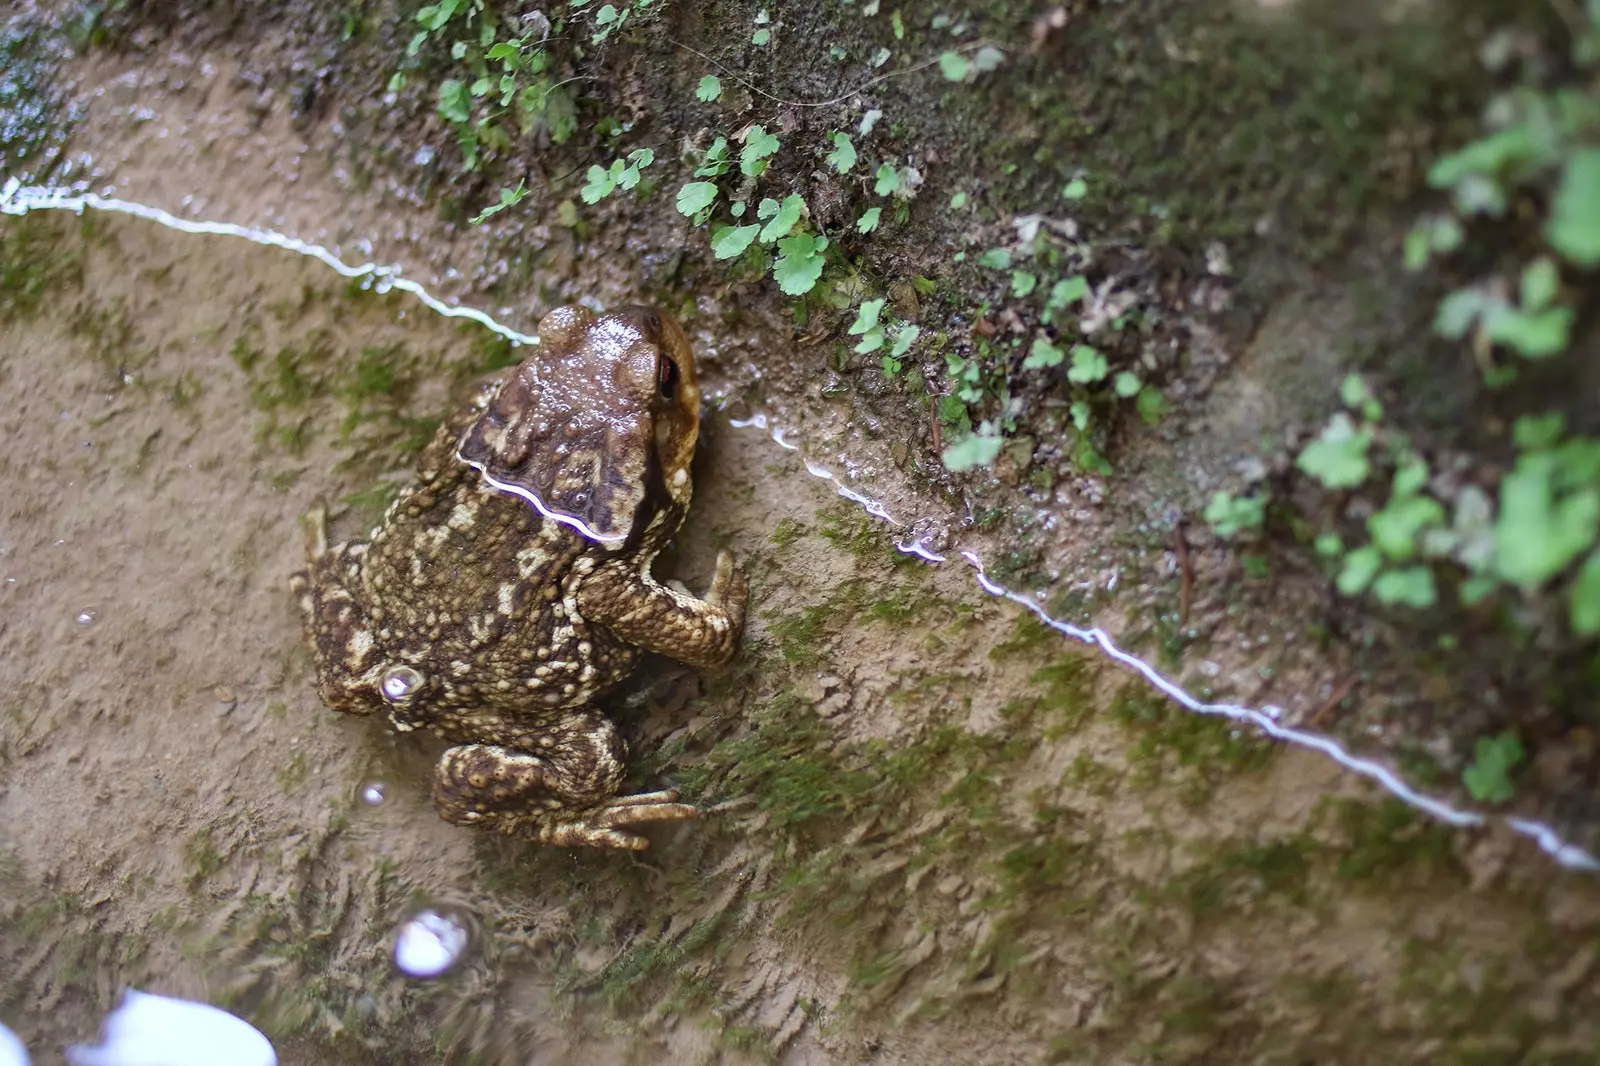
(557, 786)
(663, 620)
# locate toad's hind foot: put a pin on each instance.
(526, 795)
(606, 826)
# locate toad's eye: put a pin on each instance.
(667, 377)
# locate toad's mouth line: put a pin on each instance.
(17, 199)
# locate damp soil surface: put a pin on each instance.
(936, 829)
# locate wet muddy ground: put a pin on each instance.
(938, 831)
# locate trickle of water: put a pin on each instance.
(398, 682)
(432, 942)
(86, 617)
(372, 793)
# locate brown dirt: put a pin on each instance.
(1059, 869)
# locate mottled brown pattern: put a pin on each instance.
(509, 588)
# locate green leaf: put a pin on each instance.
(904, 338)
(955, 67)
(710, 89)
(1067, 292)
(971, 451)
(784, 219)
(843, 156)
(1360, 567)
(508, 198)
(888, 181)
(1533, 433)
(1539, 532)
(1534, 335)
(1229, 515)
(995, 259)
(761, 37)
(601, 184)
(958, 201)
(870, 341)
(695, 197)
(1152, 404)
(1585, 605)
(1023, 283)
(1457, 312)
(1076, 189)
(1338, 458)
(1488, 778)
(455, 102)
(799, 263)
(1411, 587)
(716, 162)
(866, 316)
(1088, 365)
(987, 58)
(1042, 354)
(1485, 157)
(869, 220)
(729, 241)
(1540, 281)
(1127, 384)
(1080, 414)
(1418, 247)
(758, 146)
(1329, 546)
(1574, 225)
(1410, 474)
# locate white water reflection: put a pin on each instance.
(432, 942)
(16, 199)
(148, 1030)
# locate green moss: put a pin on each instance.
(1390, 842)
(36, 262)
(786, 532)
(1197, 751)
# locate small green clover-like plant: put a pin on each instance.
(889, 180)
(1043, 354)
(716, 161)
(868, 222)
(996, 259)
(1338, 458)
(710, 89)
(866, 326)
(799, 263)
(621, 174)
(1488, 777)
(1065, 293)
(955, 66)
(843, 156)
(695, 197)
(1023, 283)
(973, 450)
(759, 147)
(1229, 515)
(1088, 365)
(508, 198)
(780, 218)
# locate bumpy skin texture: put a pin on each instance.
(509, 588)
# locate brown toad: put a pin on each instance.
(509, 588)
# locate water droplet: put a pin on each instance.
(432, 941)
(87, 617)
(372, 793)
(399, 682)
(177, 1032)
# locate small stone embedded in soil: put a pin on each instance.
(432, 942)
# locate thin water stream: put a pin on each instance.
(17, 199)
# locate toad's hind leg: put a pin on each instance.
(565, 794)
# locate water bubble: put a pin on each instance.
(399, 682)
(432, 941)
(372, 793)
(86, 617)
